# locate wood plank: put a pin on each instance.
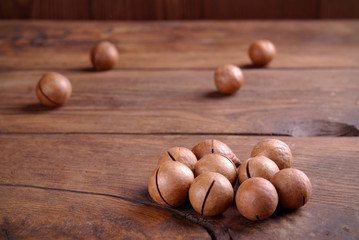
(27, 213)
(158, 9)
(178, 45)
(285, 102)
(339, 9)
(120, 165)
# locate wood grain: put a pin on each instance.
(178, 45)
(158, 9)
(284, 102)
(30, 213)
(95, 166)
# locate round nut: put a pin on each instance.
(259, 166)
(216, 163)
(262, 52)
(256, 198)
(53, 89)
(180, 154)
(228, 79)
(104, 56)
(169, 184)
(211, 194)
(214, 146)
(274, 149)
(293, 187)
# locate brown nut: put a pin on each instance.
(211, 194)
(259, 166)
(228, 79)
(293, 187)
(216, 163)
(262, 52)
(214, 146)
(53, 89)
(180, 154)
(256, 198)
(104, 56)
(274, 149)
(169, 183)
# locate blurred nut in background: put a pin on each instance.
(228, 79)
(211, 194)
(262, 52)
(104, 56)
(53, 89)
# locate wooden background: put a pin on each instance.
(178, 9)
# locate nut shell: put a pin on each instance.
(104, 56)
(262, 52)
(211, 194)
(259, 166)
(180, 154)
(228, 79)
(276, 150)
(214, 146)
(256, 199)
(216, 163)
(169, 183)
(53, 89)
(293, 187)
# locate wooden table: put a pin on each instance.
(81, 171)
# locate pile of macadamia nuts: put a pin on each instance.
(206, 175)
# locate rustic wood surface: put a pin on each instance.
(177, 9)
(81, 171)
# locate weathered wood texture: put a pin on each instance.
(178, 45)
(81, 171)
(85, 185)
(284, 102)
(178, 9)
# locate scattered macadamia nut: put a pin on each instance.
(104, 56)
(169, 183)
(180, 154)
(216, 163)
(276, 150)
(53, 89)
(256, 198)
(259, 166)
(228, 79)
(293, 187)
(262, 52)
(214, 146)
(211, 194)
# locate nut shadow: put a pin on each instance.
(217, 95)
(251, 66)
(36, 108)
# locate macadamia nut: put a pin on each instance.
(215, 146)
(259, 166)
(256, 198)
(211, 194)
(104, 56)
(276, 150)
(180, 154)
(169, 183)
(293, 187)
(53, 89)
(228, 79)
(262, 52)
